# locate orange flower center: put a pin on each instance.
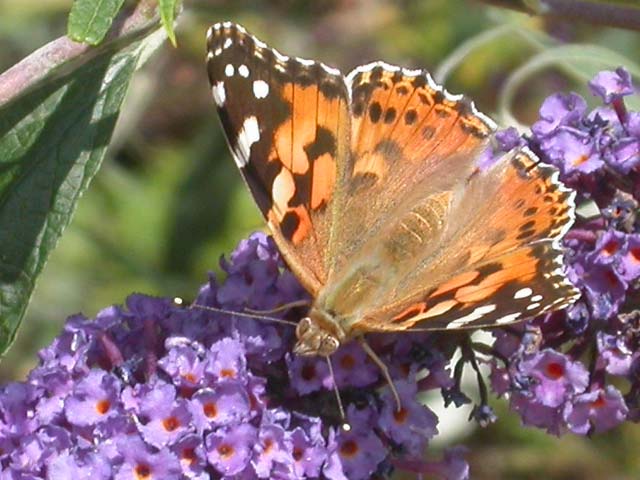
(349, 449)
(598, 402)
(580, 160)
(611, 247)
(188, 456)
(268, 445)
(401, 415)
(142, 472)
(170, 423)
(227, 373)
(225, 451)
(210, 409)
(555, 371)
(103, 406)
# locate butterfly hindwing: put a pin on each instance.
(287, 124)
(500, 261)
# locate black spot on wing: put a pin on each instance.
(390, 150)
(527, 226)
(489, 269)
(419, 81)
(325, 142)
(302, 192)
(374, 112)
(289, 224)
(389, 115)
(410, 117)
(376, 73)
(424, 99)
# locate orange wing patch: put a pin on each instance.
(404, 115)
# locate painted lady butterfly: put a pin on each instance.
(371, 188)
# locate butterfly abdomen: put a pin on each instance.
(411, 234)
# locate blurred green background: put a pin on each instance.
(168, 201)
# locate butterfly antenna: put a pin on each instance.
(179, 301)
(297, 303)
(345, 425)
(384, 369)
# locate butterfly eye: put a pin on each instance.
(303, 327)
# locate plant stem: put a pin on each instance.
(619, 14)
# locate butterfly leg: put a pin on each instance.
(383, 368)
(343, 417)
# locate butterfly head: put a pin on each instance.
(313, 339)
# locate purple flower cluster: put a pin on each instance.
(157, 391)
(562, 371)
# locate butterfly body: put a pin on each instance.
(372, 188)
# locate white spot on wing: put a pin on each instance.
(331, 70)
(247, 136)
(227, 43)
(523, 293)
(512, 317)
(477, 314)
(260, 89)
(219, 93)
(229, 70)
(483, 310)
(243, 71)
(536, 298)
(282, 58)
(533, 306)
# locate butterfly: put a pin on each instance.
(371, 187)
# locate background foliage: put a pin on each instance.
(168, 202)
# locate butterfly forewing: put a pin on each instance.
(408, 134)
(287, 122)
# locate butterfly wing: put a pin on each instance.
(448, 242)
(407, 135)
(287, 123)
(498, 259)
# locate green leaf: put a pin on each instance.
(580, 61)
(90, 20)
(167, 10)
(58, 108)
